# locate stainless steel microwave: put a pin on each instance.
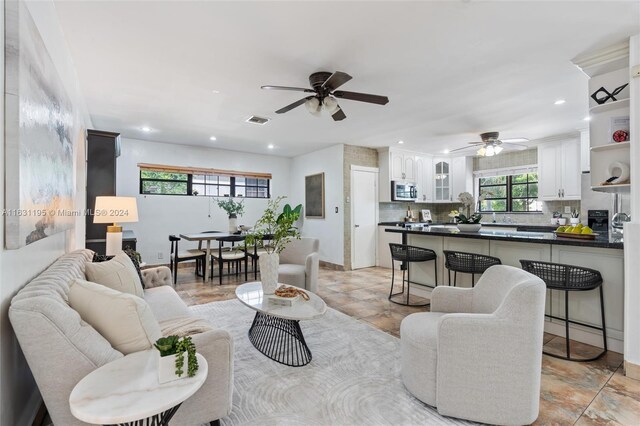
(403, 191)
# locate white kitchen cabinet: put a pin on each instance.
(402, 165)
(559, 170)
(451, 176)
(462, 176)
(441, 180)
(383, 254)
(424, 178)
(398, 165)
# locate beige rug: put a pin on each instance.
(353, 379)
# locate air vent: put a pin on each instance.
(254, 119)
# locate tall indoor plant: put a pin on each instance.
(233, 209)
(271, 233)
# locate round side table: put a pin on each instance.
(127, 392)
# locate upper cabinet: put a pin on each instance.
(559, 170)
(424, 178)
(442, 180)
(462, 174)
(403, 166)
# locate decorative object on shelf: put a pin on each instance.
(42, 129)
(409, 217)
(171, 355)
(619, 173)
(272, 232)
(314, 196)
(602, 95)
(115, 210)
(426, 215)
(233, 209)
(619, 129)
(575, 217)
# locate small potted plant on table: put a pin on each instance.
(233, 209)
(172, 353)
(575, 217)
(471, 221)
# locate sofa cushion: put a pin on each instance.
(291, 274)
(165, 303)
(125, 320)
(118, 274)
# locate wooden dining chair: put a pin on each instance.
(200, 244)
(178, 256)
(231, 255)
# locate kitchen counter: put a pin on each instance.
(525, 226)
(602, 241)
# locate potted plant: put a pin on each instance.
(271, 233)
(471, 221)
(233, 209)
(575, 217)
(172, 351)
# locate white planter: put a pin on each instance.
(469, 227)
(574, 220)
(167, 368)
(233, 224)
(562, 221)
(269, 272)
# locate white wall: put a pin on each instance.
(19, 397)
(330, 230)
(162, 215)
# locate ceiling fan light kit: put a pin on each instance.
(491, 145)
(324, 85)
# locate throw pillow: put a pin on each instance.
(124, 320)
(133, 255)
(117, 273)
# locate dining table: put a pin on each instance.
(207, 237)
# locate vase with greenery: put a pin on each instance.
(172, 352)
(233, 209)
(471, 221)
(271, 233)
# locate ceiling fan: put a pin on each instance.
(491, 145)
(323, 86)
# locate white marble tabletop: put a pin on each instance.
(251, 295)
(127, 389)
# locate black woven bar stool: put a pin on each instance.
(469, 263)
(569, 278)
(406, 254)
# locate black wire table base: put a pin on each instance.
(160, 419)
(280, 340)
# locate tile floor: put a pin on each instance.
(593, 393)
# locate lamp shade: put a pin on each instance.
(330, 105)
(313, 106)
(115, 210)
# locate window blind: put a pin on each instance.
(201, 171)
(507, 171)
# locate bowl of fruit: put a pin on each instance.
(578, 231)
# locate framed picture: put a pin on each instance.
(426, 215)
(314, 196)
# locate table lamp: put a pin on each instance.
(115, 210)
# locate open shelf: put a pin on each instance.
(609, 146)
(625, 187)
(621, 103)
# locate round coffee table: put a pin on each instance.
(275, 331)
(127, 392)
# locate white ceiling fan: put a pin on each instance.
(491, 145)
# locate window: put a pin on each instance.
(197, 183)
(513, 193)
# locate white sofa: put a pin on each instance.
(300, 264)
(61, 349)
(477, 355)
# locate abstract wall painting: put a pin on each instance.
(42, 128)
(314, 196)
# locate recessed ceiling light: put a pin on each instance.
(270, 146)
(213, 138)
(446, 151)
(587, 118)
(559, 102)
(400, 142)
(146, 129)
(215, 92)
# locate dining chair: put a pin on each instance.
(233, 254)
(178, 256)
(200, 243)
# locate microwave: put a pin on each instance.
(403, 191)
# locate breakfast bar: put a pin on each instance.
(604, 254)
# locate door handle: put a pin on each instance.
(562, 192)
(356, 226)
(558, 193)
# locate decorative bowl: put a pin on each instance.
(469, 227)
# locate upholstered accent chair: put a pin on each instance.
(477, 355)
(300, 263)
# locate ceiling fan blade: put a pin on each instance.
(475, 143)
(517, 146)
(338, 115)
(514, 140)
(336, 80)
(293, 105)
(461, 149)
(295, 89)
(362, 97)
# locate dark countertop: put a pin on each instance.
(533, 227)
(602, 241)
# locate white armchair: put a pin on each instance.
(477, 355)
(300, 263)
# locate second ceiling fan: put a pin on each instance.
(323, 86)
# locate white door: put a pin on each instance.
(363, 205)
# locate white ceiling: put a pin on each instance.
(450, 69)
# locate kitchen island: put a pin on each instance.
(604, 254)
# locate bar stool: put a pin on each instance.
(407, 254)
(569, 278)
(469, 263)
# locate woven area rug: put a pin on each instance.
(353, 379)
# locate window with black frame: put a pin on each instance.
(170, 183)
(510, 193)
(165, 183)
